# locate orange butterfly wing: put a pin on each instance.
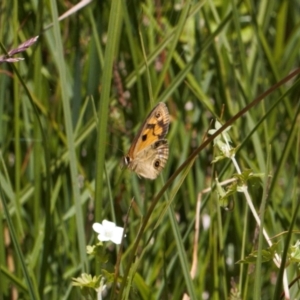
(154, 128)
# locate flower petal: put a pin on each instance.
(103, 238)
(109, 226)
(117, 235)
(98, 228)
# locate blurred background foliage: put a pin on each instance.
(92, 77)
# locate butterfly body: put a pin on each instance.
(149, 150)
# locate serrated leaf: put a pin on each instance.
(231, 189)
(247, 175)
(267, 255)
(294, 252)
(244, 176)
(110, 277)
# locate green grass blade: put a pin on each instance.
(70, 136)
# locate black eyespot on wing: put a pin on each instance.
(156, 164)
(144, 137)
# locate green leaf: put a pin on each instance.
(267, 255)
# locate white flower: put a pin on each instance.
(108, 231)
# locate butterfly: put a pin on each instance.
(149, 151)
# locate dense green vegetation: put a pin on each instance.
(70, 110)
